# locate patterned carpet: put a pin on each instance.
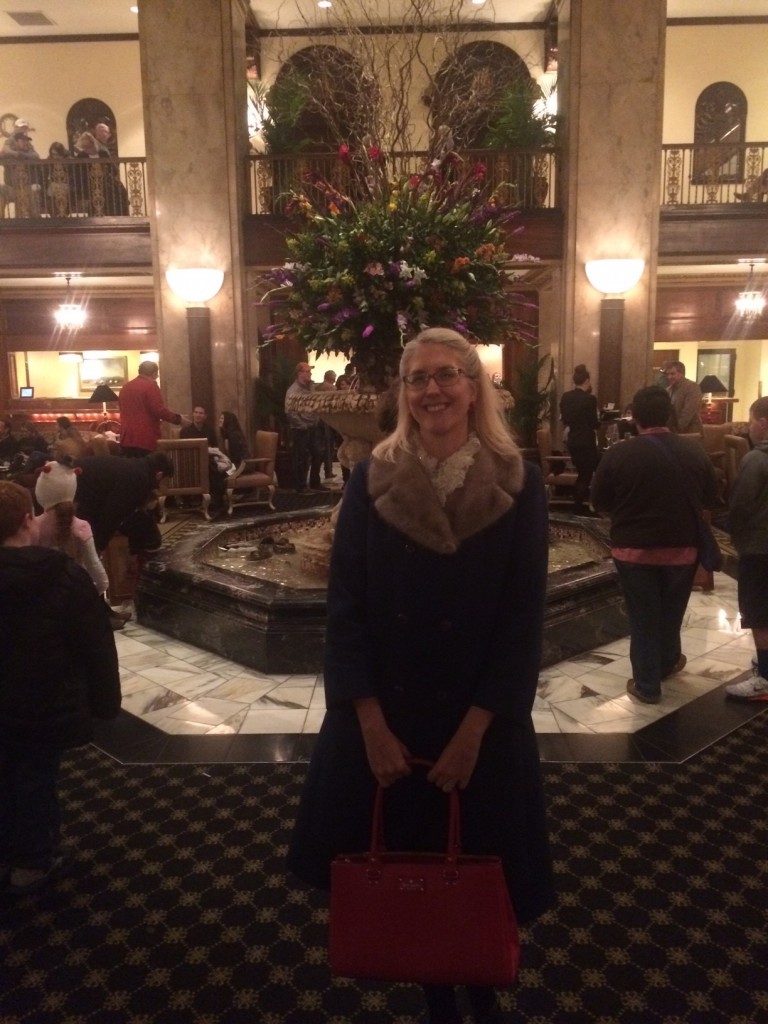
(176, 908)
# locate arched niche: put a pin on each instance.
(720, 130)
(84, 115)
(469, 87)
(320, 99)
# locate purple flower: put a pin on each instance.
(368, 331)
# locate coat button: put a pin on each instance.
(401, 617)
(409, 549)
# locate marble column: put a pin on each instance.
(610, 83)
(193, 83)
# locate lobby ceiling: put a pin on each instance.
(106, 17)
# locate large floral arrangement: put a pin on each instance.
(368, 270)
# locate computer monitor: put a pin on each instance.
(26, 392)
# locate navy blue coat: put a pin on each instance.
(432, 612)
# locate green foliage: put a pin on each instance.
(286, 101)
(366, 274)
(532, 397)
(514, 123)
(269, 397)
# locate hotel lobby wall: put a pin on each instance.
(40, 81)
(751, 367)
(52, 377)
(700, 55)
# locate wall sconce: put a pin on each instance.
(69, 315)
(751, 302)
(195, 286)
(70, 357)
(613, 278)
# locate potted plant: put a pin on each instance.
(520, 122)
(532, 391)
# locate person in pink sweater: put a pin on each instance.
(58, 526)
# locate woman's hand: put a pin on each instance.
(457, 762)
(386, 754)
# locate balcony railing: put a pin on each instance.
(528, 178)
(73, 188)
(696, 175)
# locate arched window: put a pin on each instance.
(720, 131)
(471, 86)
(84, 115)
(317, 102)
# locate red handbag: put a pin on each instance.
(433, 918)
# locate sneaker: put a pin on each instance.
(682, 661)
(644, 698)
(28, 880)
(754, 688)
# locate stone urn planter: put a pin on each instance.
(353, 414)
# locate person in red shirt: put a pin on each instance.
(141, 410)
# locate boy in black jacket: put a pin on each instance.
(58, 669)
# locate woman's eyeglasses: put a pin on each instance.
(445, 377)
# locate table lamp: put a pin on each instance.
(103, 394)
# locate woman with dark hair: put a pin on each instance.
(233, 438)
(433, 643)
(578, 411)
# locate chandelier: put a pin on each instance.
(751, 302)
(69, 315)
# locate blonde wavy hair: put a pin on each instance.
(486, 417)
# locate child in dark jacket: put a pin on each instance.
(58, 671)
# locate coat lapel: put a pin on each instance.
(403, 496)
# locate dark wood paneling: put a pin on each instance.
(713, 235)
(90, 246)
(704, 313)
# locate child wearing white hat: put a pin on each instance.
(59, 527)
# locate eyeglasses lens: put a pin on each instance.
(445, 377)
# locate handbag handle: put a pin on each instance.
(453, 842)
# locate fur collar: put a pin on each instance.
(404, 497)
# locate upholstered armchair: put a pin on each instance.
(190, 472)
(254, 475)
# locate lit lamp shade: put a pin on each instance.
(195, 284)
(614, 277)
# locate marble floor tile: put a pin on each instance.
(183, 689)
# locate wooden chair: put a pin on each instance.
(735, 448)
(557, 468)
(190, 472)
(254, 474)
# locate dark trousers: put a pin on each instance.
(585, 459)
(134, 453)
(29, 807)
(308, 451)
(656, 597)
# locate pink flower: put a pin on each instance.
(344, 153)
(374, 153)
(414, 181)
(368, 331)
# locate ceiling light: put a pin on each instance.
(70, 357)
(70, 315)
(751, 302)
(325, 4)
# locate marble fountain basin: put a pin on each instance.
(214, 590)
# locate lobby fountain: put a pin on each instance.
(254, 591)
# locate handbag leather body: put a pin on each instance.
(432, 918)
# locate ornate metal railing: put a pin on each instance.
(529, 178)
(696, 175)
(73, 188)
